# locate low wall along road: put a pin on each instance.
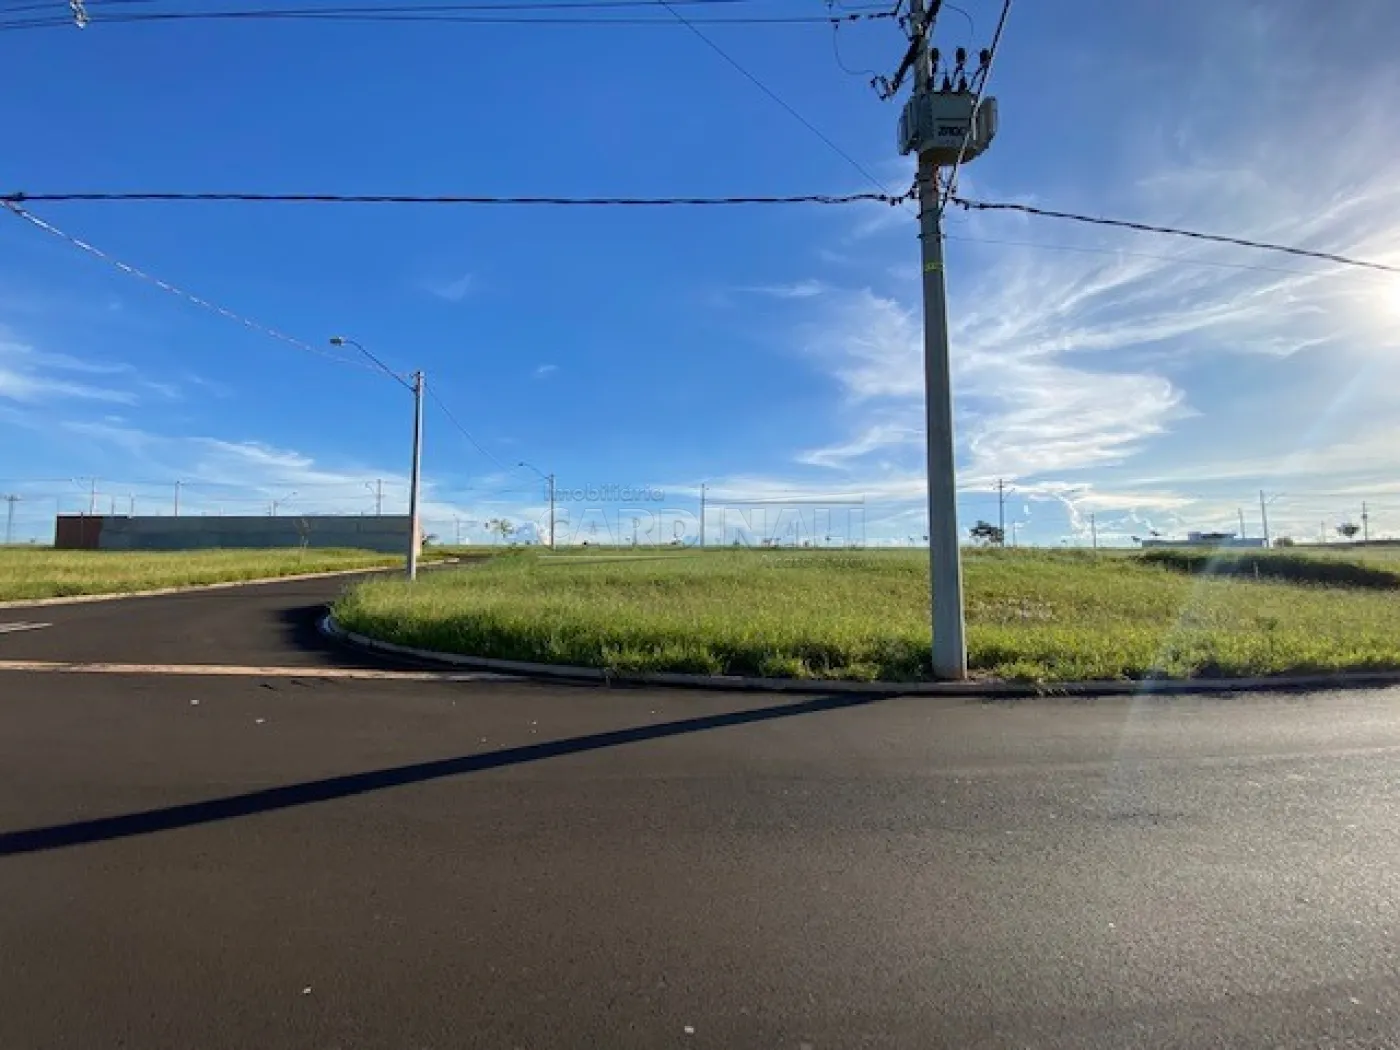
(387, 533)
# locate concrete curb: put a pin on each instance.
(992, 690)
(79, 599)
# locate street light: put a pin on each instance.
(549, 478)
(414, 525)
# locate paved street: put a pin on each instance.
(307, 862)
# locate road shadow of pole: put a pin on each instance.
(192, 814)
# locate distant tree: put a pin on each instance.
(501, 527)
(429, 538)
(1348, 529)
(986, 534)
(1284, 541)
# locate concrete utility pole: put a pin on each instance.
(415, 537)
(943, 127)
(378, 489)
(1001, 511)
(11, 499)
(548, 479)
(177, 498)
(1264, 516)
(702, 514)
(1243, 534)
(92, 498)
(1365, 524)
(1094, 528)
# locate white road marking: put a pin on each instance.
(233, 671)
(8, 628)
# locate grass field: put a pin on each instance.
(29, 572)
(1032, 615)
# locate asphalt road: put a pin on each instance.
(301, 862)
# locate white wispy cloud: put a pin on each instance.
(452, 290)
(1084, 373)
(544, 371)
(804, 289)
(32, 377)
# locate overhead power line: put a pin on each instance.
(361, 198)
(451, 418)
(753, 79)
(202, 303)
(49, 5)
(482, 14)
(1242, 242)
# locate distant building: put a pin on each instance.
(1208, 539)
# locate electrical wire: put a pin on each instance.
(841, 62)
(205, 304)
(1180, 260)
(857, 165)
(971, 25)
(1143, 227)
(49, 5)
(337, 198)
(465, 432)
(493, 5)
(445, 14)
(397, 377)
(986, 71)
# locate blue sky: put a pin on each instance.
(773, 353)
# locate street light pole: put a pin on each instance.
(11, 499)
(415, 532)
(415, 537)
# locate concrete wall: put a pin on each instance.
(1249, 543)
(387, 533)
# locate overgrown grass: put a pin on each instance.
(44, 573)
(1032, 615)
(1332, 570)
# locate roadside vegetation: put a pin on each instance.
(40, 572)
(1032, 614)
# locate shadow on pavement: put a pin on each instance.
(59, 836)
(301, 630)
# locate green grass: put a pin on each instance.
(45, 573)
(1032, 615)
(1332, 569)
